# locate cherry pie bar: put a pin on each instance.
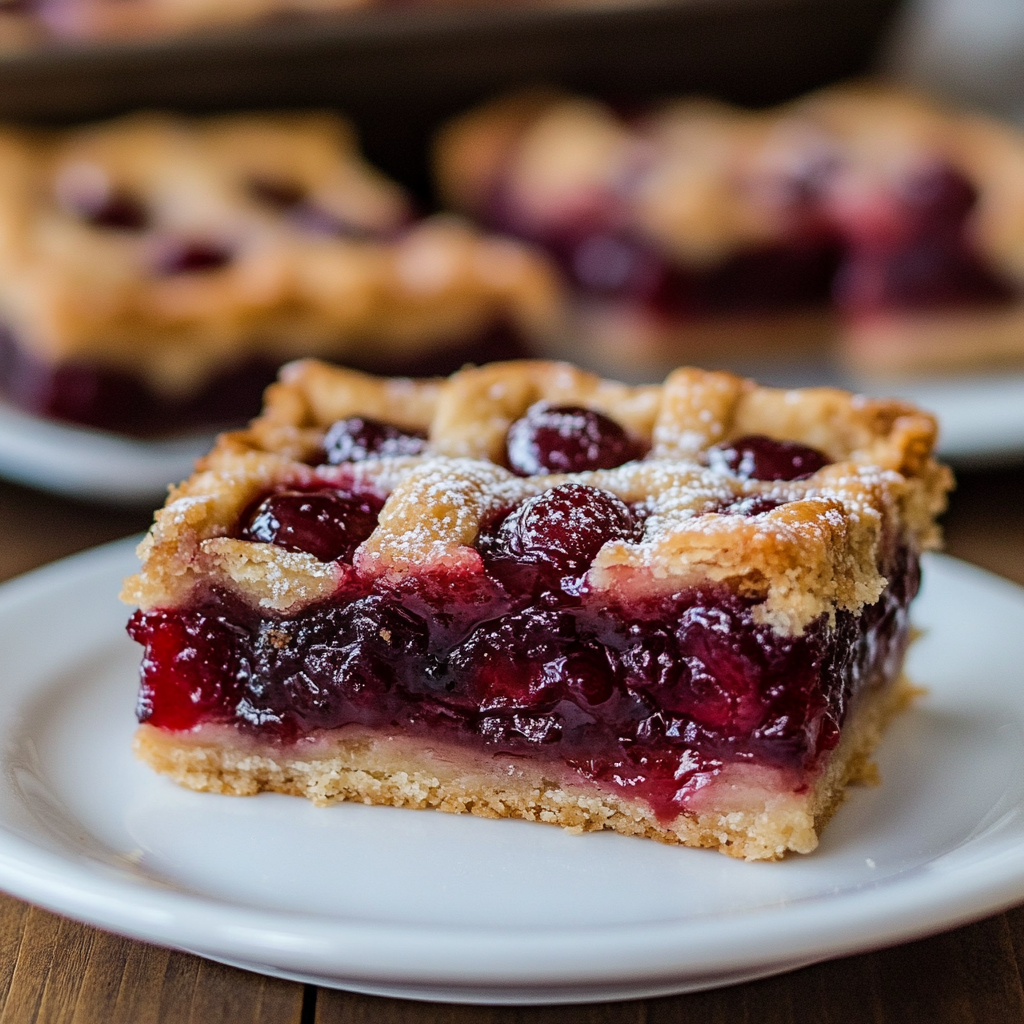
(676, 611)
(155, 271)
(862, 213)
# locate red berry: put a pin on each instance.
(564, 528)
(567, 439)
(756, 457)
(359, 438)
(329, 525)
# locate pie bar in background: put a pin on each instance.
(863, 214)
(155, 271)
(677, 611)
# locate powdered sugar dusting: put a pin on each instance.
(804, 546)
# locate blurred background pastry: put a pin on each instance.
(156, 270)
(865, 218)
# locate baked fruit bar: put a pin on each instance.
(677, 611)
(155, 271)
(862, 214)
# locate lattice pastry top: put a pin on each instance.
(818, 545)
(243, 234)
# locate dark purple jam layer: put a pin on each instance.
(912, 250)
(609, 264)
(648, 699)
(108, 399)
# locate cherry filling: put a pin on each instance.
(797, 272)
(756, 457)
(327, 524)
(113, 399)
(650, 698)
(605, 261)
(911, 248)
(567, 439)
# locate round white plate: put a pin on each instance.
(93, 464)
(430, 905)
(981, 418)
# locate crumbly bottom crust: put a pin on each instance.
(739, 814)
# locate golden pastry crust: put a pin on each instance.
(819, 551)
(319, 256)
(764, 824)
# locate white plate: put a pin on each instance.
(93, 464)
(458, 908)
(982, 420)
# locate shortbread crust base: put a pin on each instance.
(738, 814)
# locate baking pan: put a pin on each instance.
(399, 71)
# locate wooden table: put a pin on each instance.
(56, 971)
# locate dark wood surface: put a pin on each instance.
(57, 971)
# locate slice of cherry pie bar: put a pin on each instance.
(156, 270)
(677, 611)
(863, 217)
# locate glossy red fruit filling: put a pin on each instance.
(647, 698)
(756, 457)
(910, 248)
(359, 438)
(327, 524)
(796, 273)
(110, 399)
(567, 439)
(605, 261)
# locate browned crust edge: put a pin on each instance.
(372, 771)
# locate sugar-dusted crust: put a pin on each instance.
(762, 823)
(321, 257)
(819, 551)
